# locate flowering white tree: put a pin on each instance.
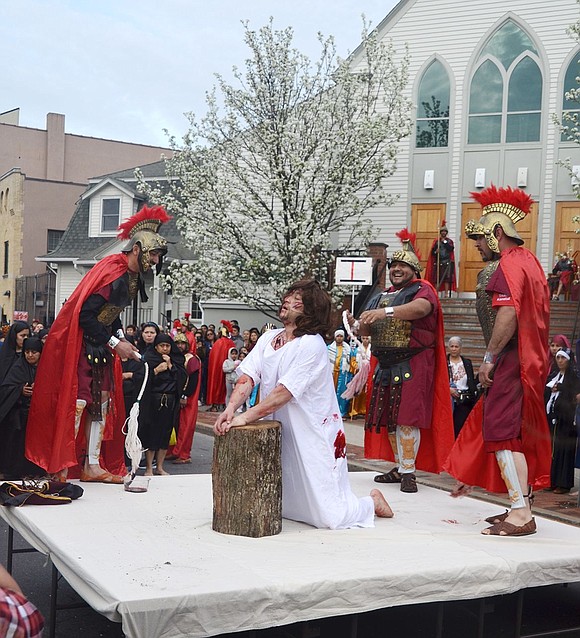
(297, 152)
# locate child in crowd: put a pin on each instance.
(229, 367)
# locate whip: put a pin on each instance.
(133, 445)
(358, 382)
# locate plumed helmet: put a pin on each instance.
(407, 254)
(180, 337)
(225, 328)
(503, 207)
(142, 229)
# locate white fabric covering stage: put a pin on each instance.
(153, 562)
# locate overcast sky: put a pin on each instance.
(127, 69)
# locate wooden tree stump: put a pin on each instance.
(247, 480)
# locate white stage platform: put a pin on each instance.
(152, 561)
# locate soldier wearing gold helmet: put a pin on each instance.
(505, 443)
(410, 404)
(80, 380)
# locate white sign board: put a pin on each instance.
(354, 271)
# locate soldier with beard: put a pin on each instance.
(505, 442)
(79, 378)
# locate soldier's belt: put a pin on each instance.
(389, 357)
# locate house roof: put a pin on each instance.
(106, 181)
(155, 170)
(76, 244)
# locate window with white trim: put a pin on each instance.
(571, 100)
(110, 209)
(433, 107)
(505, 98)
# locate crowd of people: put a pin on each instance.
(188, 366)
(511, 426)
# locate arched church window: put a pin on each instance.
(433, 107)
(571, 99)
(506, 90)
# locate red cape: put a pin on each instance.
(437, 441)
(191, 340)
(216, 380)
(50, 439)
(468, 461)
(188, 415)
(431, 267)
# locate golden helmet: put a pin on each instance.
(407, 253)
(142, 229)
(503, 207)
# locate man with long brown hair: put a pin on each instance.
(296, 389)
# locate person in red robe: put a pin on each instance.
(80, 378)
(187, 331)
(189, 404)
(409, 417)
(216, 379)
(505, 442)
(440, 270)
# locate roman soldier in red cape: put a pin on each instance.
(79, 381)
(409, 418)
(505, 442)
(440, 270)
(216, 380)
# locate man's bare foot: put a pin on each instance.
(161, 472)
(96, 474)
(382, 508)
(93, 471)
(148, 473)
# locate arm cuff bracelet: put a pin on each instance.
(489, 358)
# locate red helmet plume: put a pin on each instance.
(515, 197)
(227, 325)
(146, 219)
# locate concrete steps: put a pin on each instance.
(460, 319)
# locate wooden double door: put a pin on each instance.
(565, 237)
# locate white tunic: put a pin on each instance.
(315, 485)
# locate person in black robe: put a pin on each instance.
(15, 396)
(147, 336)
(159, 412)
(133, 375)
(12, 347)
(561, 396)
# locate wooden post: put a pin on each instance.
(247, 480)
